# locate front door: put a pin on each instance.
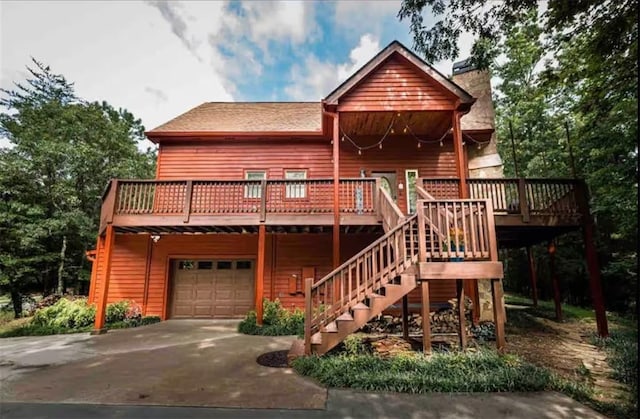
(389, 182)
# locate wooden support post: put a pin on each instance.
(554, 279)
(147, 275)
(263, 200)
(458, 148)
(498, 312)
(101, 308)
(591, 254)
(533, 277)
(405, 317)
(426, 319)
(308, 313)
(260, 272)
(336, 191)
(187, 201)
(522, 200)
(462, 330)
(594, 280)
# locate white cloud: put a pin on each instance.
(315, 79)
(123, 53)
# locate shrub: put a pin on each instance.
(117, 312)
(276, 321)
(146, 320)
(66, 314)
(47, 301)
(354, 345)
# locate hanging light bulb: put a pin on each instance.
(343, 138)
(380, 146)
(441, 143)
(479, 146)
(331, 142)
(419, 144)
(392, 131)
(398, 115)
(404, 130)
(464, 142)
(359, 152)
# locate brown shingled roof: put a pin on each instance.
(247, 117)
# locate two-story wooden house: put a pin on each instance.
(341, 207)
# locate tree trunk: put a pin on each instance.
(16, 300)
(61, 266)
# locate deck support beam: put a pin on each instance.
(551, 248)
(462, 330)
(498, 312)
(108, 243)
(405, 317)
(471, 287)
(533, 277)
(260, 272)
(426, 319)
(595, 283)
(336, 190)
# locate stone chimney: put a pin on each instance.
(484, 162)
(479, 123)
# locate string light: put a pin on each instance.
(441, 144)
(392, 131)
(380, 146)
(359, 152)
(404, 130)
(343, 138)
(419, 144)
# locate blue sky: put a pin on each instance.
(159, 59)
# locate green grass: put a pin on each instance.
(546, 308)
(483, 371)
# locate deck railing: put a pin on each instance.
(236, 197)
(521, 196)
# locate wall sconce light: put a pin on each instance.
(400, 186)
(155, 238)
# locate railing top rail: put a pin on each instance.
(505, 179)
(366, 249)
(391, 203)
(453, 200)
(355, 179)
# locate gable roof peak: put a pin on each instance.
(396, 47)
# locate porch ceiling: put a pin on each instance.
(427, 125)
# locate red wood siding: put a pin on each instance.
(229, 160)
(285, 255)
(397, 86)
(399, 154)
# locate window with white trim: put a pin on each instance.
(254, 190)
(296, 189)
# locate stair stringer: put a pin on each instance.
(327, 339)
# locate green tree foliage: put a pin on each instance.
(572, 65)
(62, 152)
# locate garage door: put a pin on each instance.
(212, 288)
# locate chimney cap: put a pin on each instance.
(463, 66)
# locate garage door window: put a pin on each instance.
(186, 265)
(224, 264)
(205, 264)
(243, 264)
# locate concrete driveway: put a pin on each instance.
(178, 363)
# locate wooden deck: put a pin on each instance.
(526, 211)
(239, 205)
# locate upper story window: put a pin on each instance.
(254, 190)
(295, 189)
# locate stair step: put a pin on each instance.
(360, 306)
(316, 338)
(346, 317)
(330, 328)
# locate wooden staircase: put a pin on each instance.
(424, 247)
(361, 288)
